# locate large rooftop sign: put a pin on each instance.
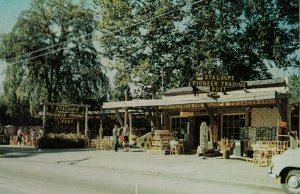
(218, 82)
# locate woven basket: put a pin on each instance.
(10, 130)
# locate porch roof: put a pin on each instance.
(232, 96)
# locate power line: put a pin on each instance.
(39, 56)
(112, 32)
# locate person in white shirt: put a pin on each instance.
(125, 133)
(20, 136)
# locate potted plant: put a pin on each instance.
(225, 146)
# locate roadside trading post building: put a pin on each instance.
(250, 113)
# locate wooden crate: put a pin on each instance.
(160, 142)
(265, 150)
(102, 144)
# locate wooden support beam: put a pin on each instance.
(119, 117)
(157, 123)
(210, 114)
(44, 120)
(126, 117)
(166, 119)
(78, 127)
(86, 126)
(152, 121)
(101, 129)
(281, 112)
(130, 128)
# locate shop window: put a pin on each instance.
(179, 126)
(231, 125)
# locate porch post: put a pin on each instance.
(44, 120)
(86, 122)
(101, 128)
(130, 128)
(126, 109)
(78, 127)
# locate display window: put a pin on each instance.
(231, 125)
(179, 126)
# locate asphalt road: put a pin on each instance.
(32, 171)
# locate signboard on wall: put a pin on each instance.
(186, 114)
(218, 82)
(222, 104)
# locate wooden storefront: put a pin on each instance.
(231, 114)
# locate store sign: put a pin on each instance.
(218, 77)
(218, 82)
(66, 113)
(65, 109)
(223, 104)
(186, 114)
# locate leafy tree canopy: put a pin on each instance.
(52, 57)
(184, 39)
(294, 85)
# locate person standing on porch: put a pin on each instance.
(116, 134)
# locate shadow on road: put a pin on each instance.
(72, 162)
(22, 152)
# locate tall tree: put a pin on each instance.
(116, 41)
(273, 28)
(294, 86)
(54, 58)
(241, 38)
(214, 33)
(139, 36)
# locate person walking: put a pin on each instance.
(125, 133)
(32, 137)
(20, 136)
(116, 134)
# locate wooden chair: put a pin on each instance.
(174, 149)
(180, 146)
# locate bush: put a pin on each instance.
(57, 141)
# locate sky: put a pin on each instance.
(10, 10)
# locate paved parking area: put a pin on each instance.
(130, 172)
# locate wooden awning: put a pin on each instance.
(265, 96)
